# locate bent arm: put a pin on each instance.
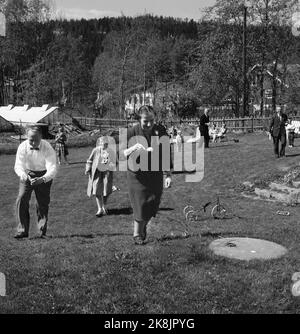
(271, 125)
(50, 164)
(89, 162)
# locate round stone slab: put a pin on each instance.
(246, 249)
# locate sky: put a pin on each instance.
(77, 9)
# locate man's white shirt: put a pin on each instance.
(43, 159)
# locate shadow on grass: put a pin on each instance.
(183, 172)
(119, 212)
(166, 209)
(186, 235)
(90, 236)
(292, 155)
(177, 236)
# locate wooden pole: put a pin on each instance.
(245, 88)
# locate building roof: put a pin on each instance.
(291, 79)
(25, 114)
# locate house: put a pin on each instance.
(286, 78)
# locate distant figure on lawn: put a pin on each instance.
(290, 129)
(278, 132)
(179, 141)
(100, 167)
(146, 185)
(204, 127)
(213, 132)
(60, 145)
(36, 167)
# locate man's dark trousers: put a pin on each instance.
(42, 193)
(281, 138)
(206, 140)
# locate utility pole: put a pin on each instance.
(2, 37)
(245, 80)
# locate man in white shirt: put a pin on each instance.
(36, 167)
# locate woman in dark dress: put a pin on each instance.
(146, 184)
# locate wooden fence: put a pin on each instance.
(249, 124)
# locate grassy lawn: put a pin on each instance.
(90, 265)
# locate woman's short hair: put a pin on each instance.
(145, 111)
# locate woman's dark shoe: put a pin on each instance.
(144, 235)
(139, 241)
(21, 235)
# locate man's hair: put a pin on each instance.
(34, 128)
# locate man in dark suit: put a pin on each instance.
(278, 132)
(204, 127)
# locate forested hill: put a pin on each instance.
(183, 63)
(92, 32)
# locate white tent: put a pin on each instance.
(35, 115)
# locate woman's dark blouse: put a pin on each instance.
(157, 131)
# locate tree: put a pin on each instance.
(269, 37)
(25, 37)
(61, 71)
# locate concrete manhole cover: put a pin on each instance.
(246, 249)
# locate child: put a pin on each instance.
(60, 145)
(100, 166)
(213, 132)
(290, 130)
(179, 141)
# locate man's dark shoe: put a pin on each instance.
(21, 235)
(43, 230)
(42, 225)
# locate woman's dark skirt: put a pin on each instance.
(145, 191)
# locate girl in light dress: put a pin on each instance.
(100, 168)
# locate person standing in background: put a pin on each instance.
(278, 132)
(36, 167)
(204, 127)
(290, 129)
(60, 145)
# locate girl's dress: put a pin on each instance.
(101, 164)
(60, 145)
